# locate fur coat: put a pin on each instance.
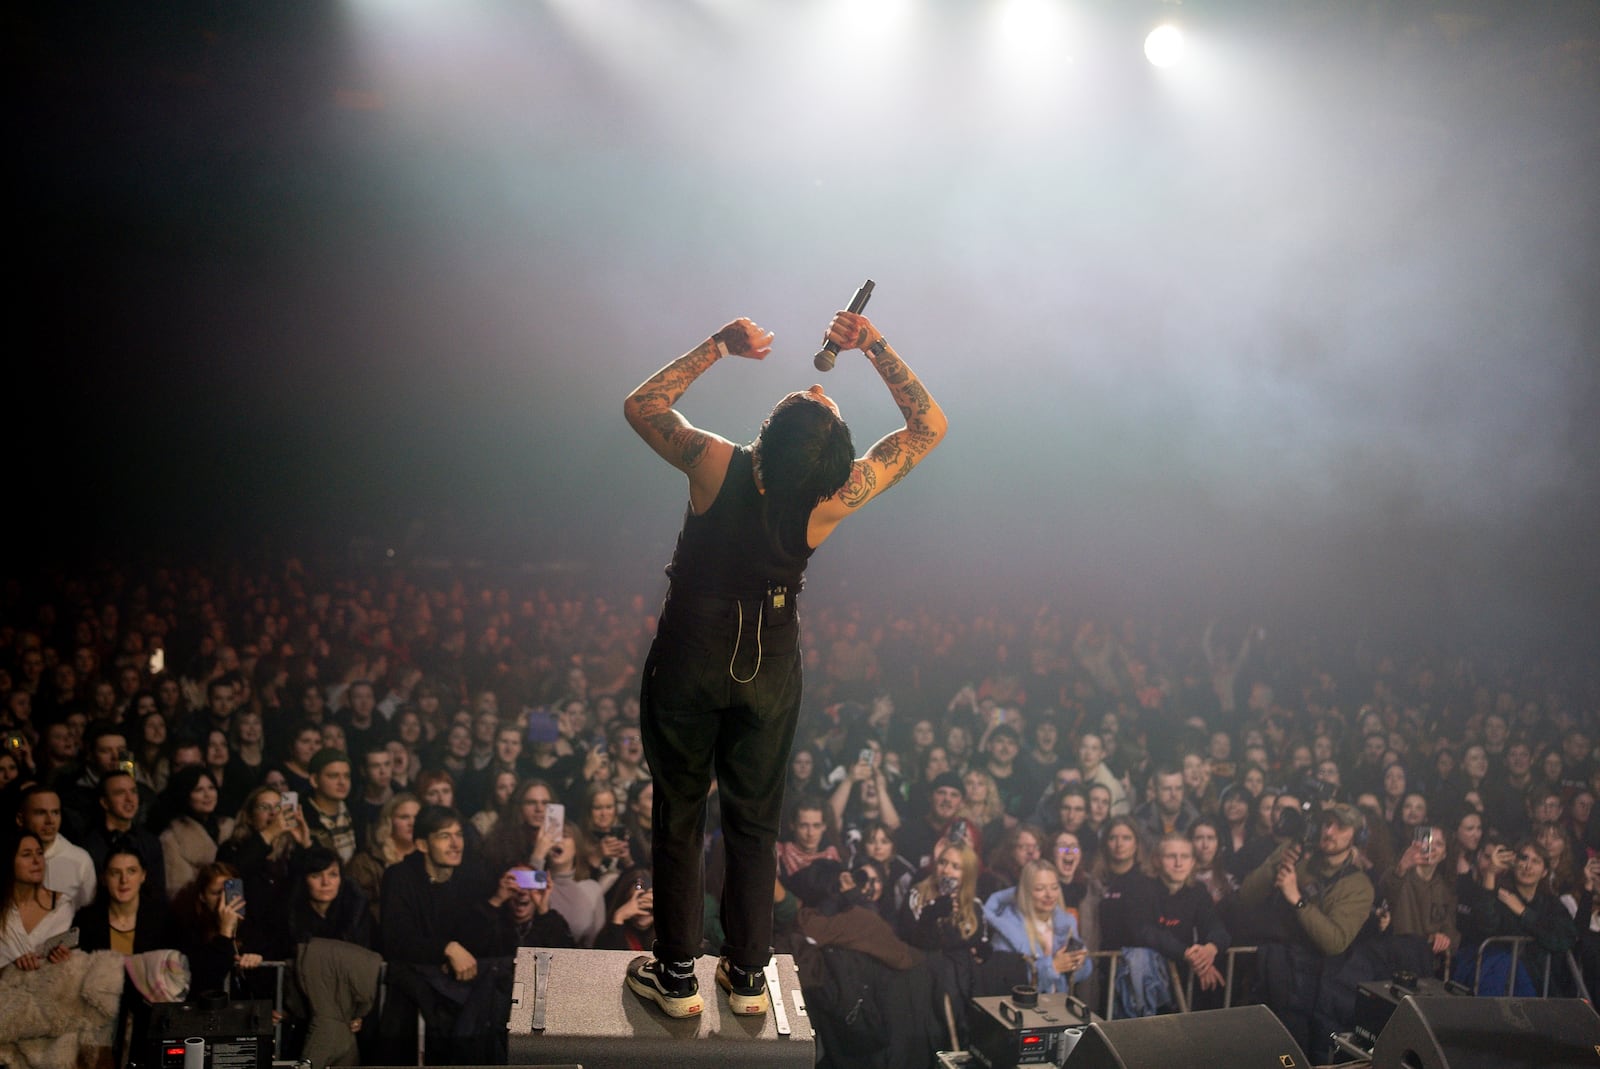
(63, 1015)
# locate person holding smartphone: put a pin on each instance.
(721, 686)
(1028, 919)
(1421, 892)
(208, 927)
(942, 912)
(1511, 896)
(630, 913)
(519, 913)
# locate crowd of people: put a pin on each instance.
(427, 771)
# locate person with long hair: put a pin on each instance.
(638, 818)
(942, 912)
(805, 775)
(499, 793)
(1566, 874)
(630, 914)
(31, 914)
(1421, 891)
(265, 833)
(518, 838)
(151, 766)
(1209, 873)
(304, 742)
(982, 805)
(391, 842)
(574, 892)
(1028, 919)
(189, 825)
(208, 927)
(610, 849)
(878, 846)
(756, 514)
(1463, 846)
(1236, 830)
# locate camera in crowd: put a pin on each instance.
(1303, 824)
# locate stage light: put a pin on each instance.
(1164, 46)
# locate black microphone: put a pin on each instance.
(830, 349)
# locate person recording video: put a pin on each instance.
(721, 689)
(1312, 899)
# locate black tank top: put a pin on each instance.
(725, 550)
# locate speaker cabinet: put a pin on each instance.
(575, 1010)
(1489, 1033)
(1245, 1037)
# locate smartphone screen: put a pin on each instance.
(291, 799)
(555, 818)
(543, 726)
(233, 891)
(532, 879)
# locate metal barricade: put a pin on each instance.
(1515, 942)
(1227, 974)
(1113, 961)
(1182, 983)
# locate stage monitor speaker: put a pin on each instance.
(1489, 1033)
(571, 1006)
(1245, 1037)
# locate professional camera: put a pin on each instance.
(1302, 824)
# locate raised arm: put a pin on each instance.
(650, 412)
(895, 454)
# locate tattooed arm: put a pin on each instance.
(699, 454)
(894, 455)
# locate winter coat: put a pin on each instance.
(1011, 933)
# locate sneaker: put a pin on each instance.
(678, 996)
(746, 988)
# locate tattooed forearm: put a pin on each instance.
(649, 408)
(663, 389)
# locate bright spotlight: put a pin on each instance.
(1164, 46)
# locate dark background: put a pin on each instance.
(1304, 329)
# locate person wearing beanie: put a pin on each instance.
(918, 836)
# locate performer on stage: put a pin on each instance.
(721, 689)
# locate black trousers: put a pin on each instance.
(720, 697)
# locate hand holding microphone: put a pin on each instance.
(846, 331)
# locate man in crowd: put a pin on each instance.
(1168, 809)
(804, 844)
(429, 905)
(1314, 900)
(328, 817)
(377, 786)
(118, 808)
(917, 837)
(1092, 766)
(68, 868)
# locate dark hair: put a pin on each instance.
(312, 860)
(173, 802)
(806, 455)
(10, 846)
(432, 819)
(120, 845)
